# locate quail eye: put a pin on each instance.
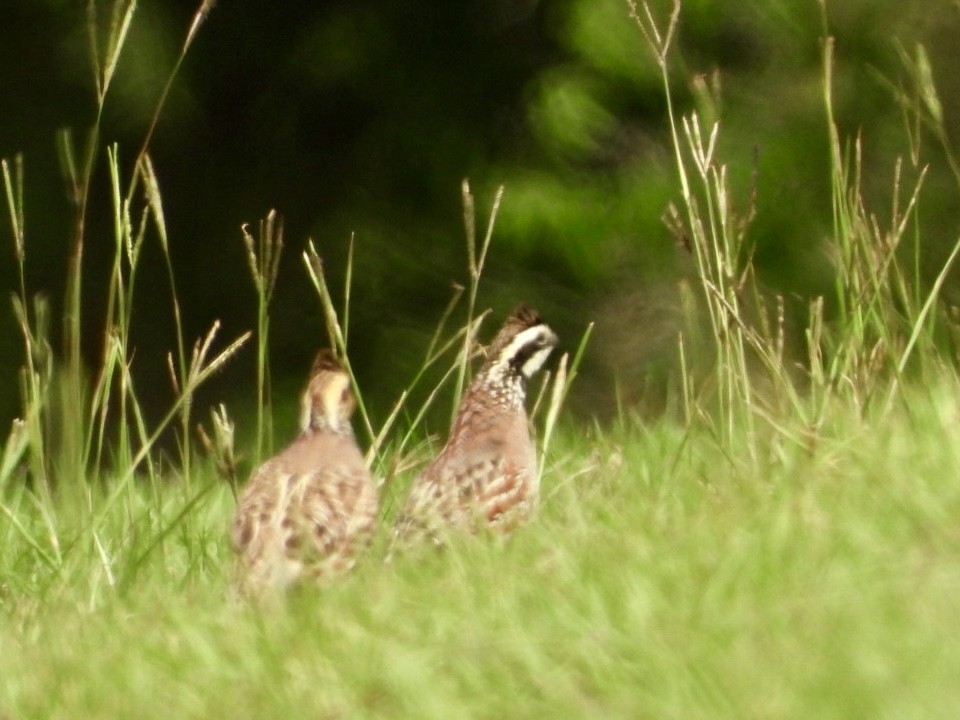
(543, 340)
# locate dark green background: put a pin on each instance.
(363, 116)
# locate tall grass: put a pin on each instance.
(886, 313)
(783, 547)
(263, 257)
(67, 432)
(441, 344)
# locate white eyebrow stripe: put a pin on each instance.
(522, 339)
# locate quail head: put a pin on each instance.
(308, 512)
(486, 475)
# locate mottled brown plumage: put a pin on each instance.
(486, 475)
(308, 512)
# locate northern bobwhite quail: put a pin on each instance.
(486, 475)
(308, 512)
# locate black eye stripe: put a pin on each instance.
(524, 353)
(527, 351)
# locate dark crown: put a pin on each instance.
(326, 361)
(522, 318)
(516, 354)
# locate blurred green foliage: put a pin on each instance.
(363, 117)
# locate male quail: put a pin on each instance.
(486, 475)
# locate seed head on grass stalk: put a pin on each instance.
(335, 331)
(706, 220)
(221, 446)
(475, 264)
(921, 105)
(200, 16)
(115, 355)
(337, 335)
(146, 173)
(200, 370)
(104, 61)
(104, 54)
(263, 259)
(13, 187)
(38, 372)
(745, 326)
(153, 200)
(885, 315)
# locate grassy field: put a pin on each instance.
(783, 542)
(665, 578)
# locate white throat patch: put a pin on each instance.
(533, 345)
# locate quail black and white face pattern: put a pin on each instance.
(516, 354)
(486, 475)
(310, 511)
